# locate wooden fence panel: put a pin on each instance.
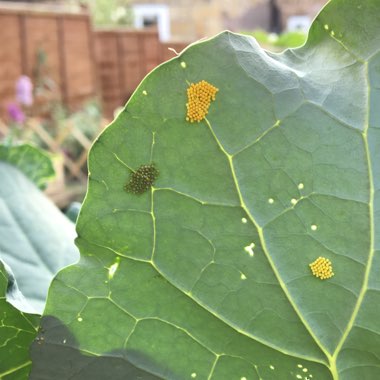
(120, 65)
(106, 55)
(10, 57)
(78, 60)
(81, 62)
(41, 34)
(67, 42)
(123, 58)
(151, 52)
(131, 61)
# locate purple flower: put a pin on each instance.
(15, 113)
(24, 88)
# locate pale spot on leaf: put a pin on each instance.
(113, 268)
(249, 249)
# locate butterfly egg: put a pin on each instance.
(199, 96)
(322, 268)
(142, 179)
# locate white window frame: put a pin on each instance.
(159, 11)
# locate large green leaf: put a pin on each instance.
(17, 329)
(36, 239)
(33, 162)
(288, 159)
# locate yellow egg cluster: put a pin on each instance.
(199, 96)
(322, 268)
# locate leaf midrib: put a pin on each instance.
(264, 247)
(364, 288)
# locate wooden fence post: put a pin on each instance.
(62, 58)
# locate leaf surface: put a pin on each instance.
(206, 275)
(17, 329)
(36, 239)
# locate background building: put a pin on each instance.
(189, 20)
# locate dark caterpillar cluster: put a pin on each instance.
(142, 179)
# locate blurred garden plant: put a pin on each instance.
(24, 91)
(18, 109)
(41, 122)
(24, 100)
(274, 42)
